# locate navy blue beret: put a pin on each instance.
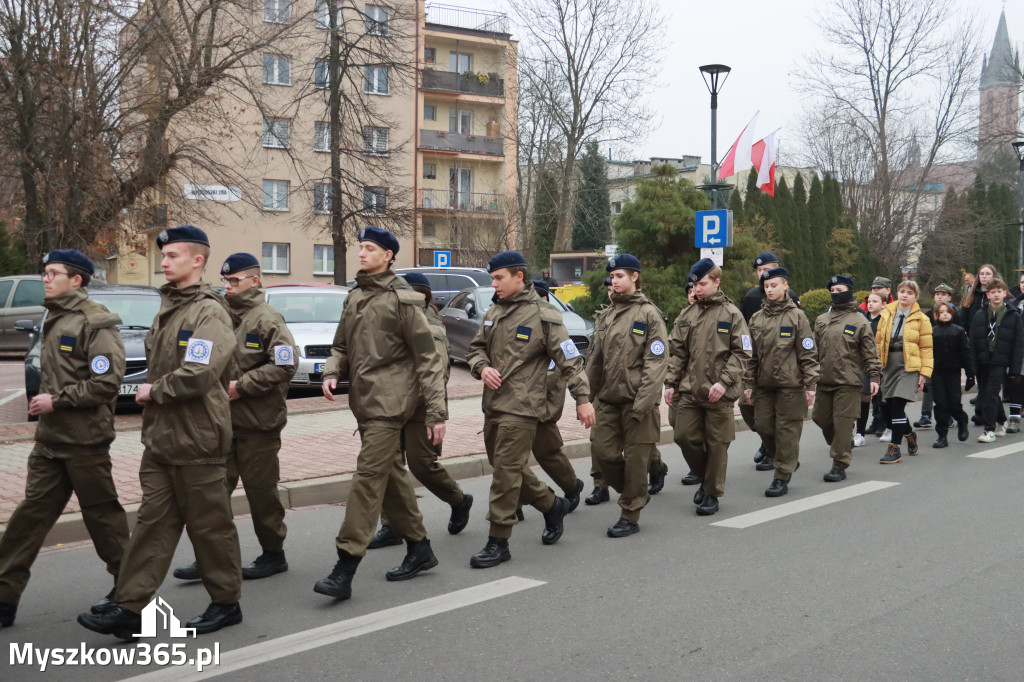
(416, 278)
(764, 259)
(541, 286)
(182, 233)
(607, 281)
(506, 259)
(775, 272)
(72, 257)
(689, 285)
(623, 261)
(701, 269)
(840, 279)
(237, 262)
(380, 237)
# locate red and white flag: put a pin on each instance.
(763, 155)
(738, 158)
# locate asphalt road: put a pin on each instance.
(917, 579)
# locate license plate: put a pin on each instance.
(129, 389)
(318, 368)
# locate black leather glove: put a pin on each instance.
(969, 384)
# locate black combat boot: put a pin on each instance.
(265, 565)
(553, 518)
(707, 506)
(698, 497)
(941, 442)
(460, 514)
(190, 572)
(656, 481)
(778, 488)
(103, 604)
(385, 537)
(834, 475)
(7, 614)
(766, 464)
(622, 528)
(493, 553)
(215, 617)
(760, 454)
(691, 479)
(574, 495)
(598, 496)
(962, 431)
(339, 583)
(117, 621)
(418, 558)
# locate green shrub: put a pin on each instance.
(815, 302)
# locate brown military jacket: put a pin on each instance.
(785, 355)
(554, 387)
(710, 343)
(385, 348)
(82, 364)
(630, 356)
(190, 350)
(264, 363)
(437, 331)
(520, 337)
(846, 347)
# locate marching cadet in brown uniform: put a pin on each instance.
(626, 372)
(264, 364)
(420, 452)
(846, 351)
(385, 348)
(709, 349)
(780, 377)
(690, 478)
(82, 365)
(519, 338)
(186, 435)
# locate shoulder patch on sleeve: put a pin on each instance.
(548, 314)
(745, 339)
(410, 296)
(284, 355)
(198, 350)
(100, 364)
(657, 348)
(569, 349)
(808, 343)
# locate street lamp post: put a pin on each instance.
(1018, 147)
(714, 76)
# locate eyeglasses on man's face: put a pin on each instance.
(50, 275)
(234, 281)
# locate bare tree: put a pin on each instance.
(589, 64)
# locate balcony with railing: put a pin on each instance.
(444, 141)
(488, 85)
(470, 202)
(450, 16)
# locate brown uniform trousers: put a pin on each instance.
(780, 419)
(421, 455)
(704, 434)
(48, 487)
(547, 450)
(654, 463)
(623, 447)
(176, 496)
(253, 458)
(381, 488)
(513, 483)
(836, 409)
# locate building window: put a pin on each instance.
(616, 207)
(375, 200)
(277, 11)
(322, 197)
(277, 133)
(376, 80)
(459, 62)
(275, 257)
(429, 171)
(275, 195)
(277, 70)
(429, 112)
(323, 14)
(375, 141)
(377, 20)
(323, 259)
(320, 74)
(321, 136)
(460, 121)
(429, 54)
(429, 229)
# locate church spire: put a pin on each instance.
(1002, 66)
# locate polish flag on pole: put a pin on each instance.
(738, 157)
(763, 155)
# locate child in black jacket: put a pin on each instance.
(997, 340)
(952, 353)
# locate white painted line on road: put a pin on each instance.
(20, 392)
(797, 506)
(996, 453)
(256, 654)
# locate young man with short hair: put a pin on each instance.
(997, 341)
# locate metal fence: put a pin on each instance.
(457, 142)
(461, 17)
(456, 82)
(448, 200)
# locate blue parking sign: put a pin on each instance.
(442, 259)
(714, 229)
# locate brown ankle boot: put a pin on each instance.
(912, 444)
(892, 455)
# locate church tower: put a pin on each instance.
(999, 114)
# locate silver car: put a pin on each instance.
(464, 314)
(312, 313)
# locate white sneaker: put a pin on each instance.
(858, 440)
(886, 436)
(987, 437)
(1000, 430)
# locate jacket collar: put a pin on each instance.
(718, 298)
(376, 283)
(846, 307)
(634, 298)
(773, 308)
(525, 296)
(246, 300)
(69, 301)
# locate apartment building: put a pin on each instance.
(449, 140)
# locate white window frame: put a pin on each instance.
(278, 192)
(375, 200)
(277, 133)
(273, 74)
(372, 79)
(322, 197)
(455, 57)
(458, 117)
(323, 265)
(375, 141)
(277, 11)
(321, 136)
(280, 251)
(378, 20)
(322, 18)
(433, 108)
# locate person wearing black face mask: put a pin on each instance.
(846, 349)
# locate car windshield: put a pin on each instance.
(135, 310)
(309, 306)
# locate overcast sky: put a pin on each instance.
(764, 43)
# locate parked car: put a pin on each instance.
(137, 306)
(464, 314)
(446, 282)
(21, 298)
(312, 313)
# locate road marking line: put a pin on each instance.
(256, 654)
(20, 392)
(996, 453)
(797, 506)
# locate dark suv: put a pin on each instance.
(446, 282)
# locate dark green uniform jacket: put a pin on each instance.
(520, 336)
(437, 330)
(190, 349)
(785, 355)
(709, 344)
(846, 347)
(385, 348)
(82, 364)
(555, 388)
(630, 356)
(265, 360)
